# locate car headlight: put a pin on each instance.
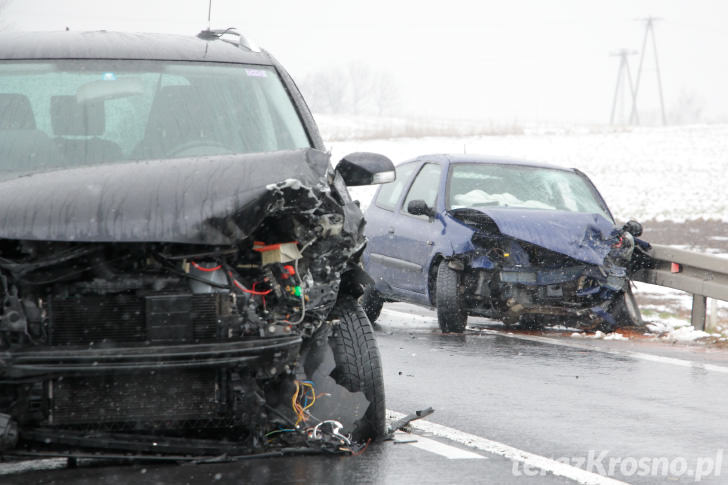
(623, 248)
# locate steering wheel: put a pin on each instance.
(199, 146)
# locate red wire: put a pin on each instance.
(197, 266)
(242, 288)
(255, 283)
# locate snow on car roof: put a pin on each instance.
(122, 45)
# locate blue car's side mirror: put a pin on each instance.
(633, 227)
(363, 168)
(420, 208)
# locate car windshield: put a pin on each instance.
(522, 187)
(82, 112)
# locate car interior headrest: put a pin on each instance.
(15, 112)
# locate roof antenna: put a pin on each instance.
(209, 11)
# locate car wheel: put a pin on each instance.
(371, 302)
(358, 366)
(449, 301)
(625, 310)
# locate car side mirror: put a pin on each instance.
(633, 227)
(420, 208)
(363, 168)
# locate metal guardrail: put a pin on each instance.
(702, 275)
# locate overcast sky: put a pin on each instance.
(517, 60)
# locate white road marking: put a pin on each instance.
(32, 465)
(528, 459)
(439, 448)
(410, 316)
(623, 353)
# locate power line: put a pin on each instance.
(649, 33)
(623, 75)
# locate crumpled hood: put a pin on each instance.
(203, 200)
(584, 237)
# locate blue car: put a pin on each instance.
(521, 242)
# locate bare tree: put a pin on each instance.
(326, 91)
(387, 95)
(354, 88)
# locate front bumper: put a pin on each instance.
(268, 355)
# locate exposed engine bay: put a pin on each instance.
(531, 269)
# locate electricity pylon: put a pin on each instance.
(622, 76)
(649, 32)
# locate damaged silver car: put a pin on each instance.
(522, 242)
(179, 264)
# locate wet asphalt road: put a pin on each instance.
(551, 396)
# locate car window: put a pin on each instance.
(81, 112)
(523, 187)
(425, 186)
(389, 193)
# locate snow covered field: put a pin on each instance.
(660, 174)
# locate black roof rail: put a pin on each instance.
(241, 41)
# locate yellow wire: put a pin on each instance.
(298, 410)
(294, 402)
(313, 395)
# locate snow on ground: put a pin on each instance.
(667, 314)
(657, 173)
(600, 335)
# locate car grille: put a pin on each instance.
(144, 397)
(120, 318)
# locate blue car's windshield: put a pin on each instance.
(523, 187)
(68, 113)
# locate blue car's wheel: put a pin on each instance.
(451, 315)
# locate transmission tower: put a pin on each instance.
(623, 75)
(649, 33)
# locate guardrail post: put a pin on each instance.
(713, 312)
(697, 316)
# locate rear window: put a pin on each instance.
(78, 112)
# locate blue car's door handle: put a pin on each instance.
(390, 230)
(430, 243)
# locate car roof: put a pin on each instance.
(493, 160)
(123, 45)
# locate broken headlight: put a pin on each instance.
(622, 248)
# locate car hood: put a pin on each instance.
(203, 200)
(584, 237)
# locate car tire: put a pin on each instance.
(451, 315)
(372, 303)
(625, 310)
(358, 366)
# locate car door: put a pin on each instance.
(414, 235)
(382, 215)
